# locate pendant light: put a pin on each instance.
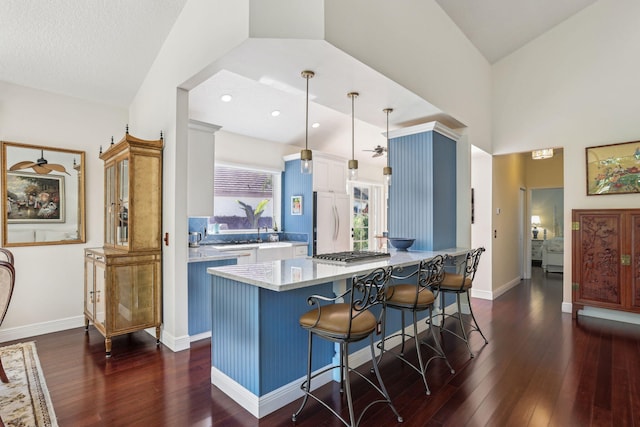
(353, 163)
(306, 158)
(386, 171)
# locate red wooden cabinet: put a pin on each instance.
(606, 259)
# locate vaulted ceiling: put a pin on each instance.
(101, 51)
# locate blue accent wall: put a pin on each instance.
(262, 346)
(199, 294)
(295, 183)
(422, 197)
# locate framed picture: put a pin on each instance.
(296, 205)
(613, 169)
(34, 198)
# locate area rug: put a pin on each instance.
(24, 400)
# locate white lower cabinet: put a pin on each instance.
(265, 254)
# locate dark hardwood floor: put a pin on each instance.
(540, 368)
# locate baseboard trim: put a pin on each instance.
(270, 402)
(198, 337)
(507, 286)
(615, 315)
(174, 343)
(35, 329)
(567, 307)
(264, 405)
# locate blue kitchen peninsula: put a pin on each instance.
(259, 351)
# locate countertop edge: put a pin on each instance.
(352, 269)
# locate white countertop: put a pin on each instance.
(287, 274)
(264, 244)
(220, 252)
(209, 253)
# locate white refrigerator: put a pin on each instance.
(331, 223)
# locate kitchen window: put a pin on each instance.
(245, 198)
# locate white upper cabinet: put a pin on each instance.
(329, 174)
(201, 150)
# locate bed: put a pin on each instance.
(553, 255)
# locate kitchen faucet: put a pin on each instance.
(266, 230)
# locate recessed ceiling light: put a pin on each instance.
(315, 125)
(226, 98)
(275, 113)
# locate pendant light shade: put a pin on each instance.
(306, 158)
(386, 171)
(353, 163)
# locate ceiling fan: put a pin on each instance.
(40, 166)
(378, 151)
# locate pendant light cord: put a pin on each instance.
(306, 122)
(353, 124)
(388, 111)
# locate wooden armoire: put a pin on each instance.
(606, 259)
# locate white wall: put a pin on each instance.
(573, 87)
(430, 56)
(481, 230)
(49, 285)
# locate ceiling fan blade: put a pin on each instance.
(22, 165)
(56, 167)
(378, 154)
(41, 169)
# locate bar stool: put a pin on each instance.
(459, 284)
(344, 323)
(414, 298)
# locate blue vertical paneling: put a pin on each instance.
(295, 183)
(444, 192)
(256, 338)
(283, 343)
(199, 294)
(422, 197)
(235, 328)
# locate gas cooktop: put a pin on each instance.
(350, 257)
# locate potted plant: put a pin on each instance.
(253, 215)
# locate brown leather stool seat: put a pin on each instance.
(405, 296)
(333, 321)
(414, 298)
(452, 282)
(344, 323)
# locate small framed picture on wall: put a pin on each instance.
(296, 205)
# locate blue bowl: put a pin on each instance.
(401, 243)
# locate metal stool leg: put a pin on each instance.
(474, 319)
(423, 368)
(306, 389)
(436, 341)
(464, 332)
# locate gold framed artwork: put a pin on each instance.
(613, 169)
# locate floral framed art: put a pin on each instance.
(613, 169)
